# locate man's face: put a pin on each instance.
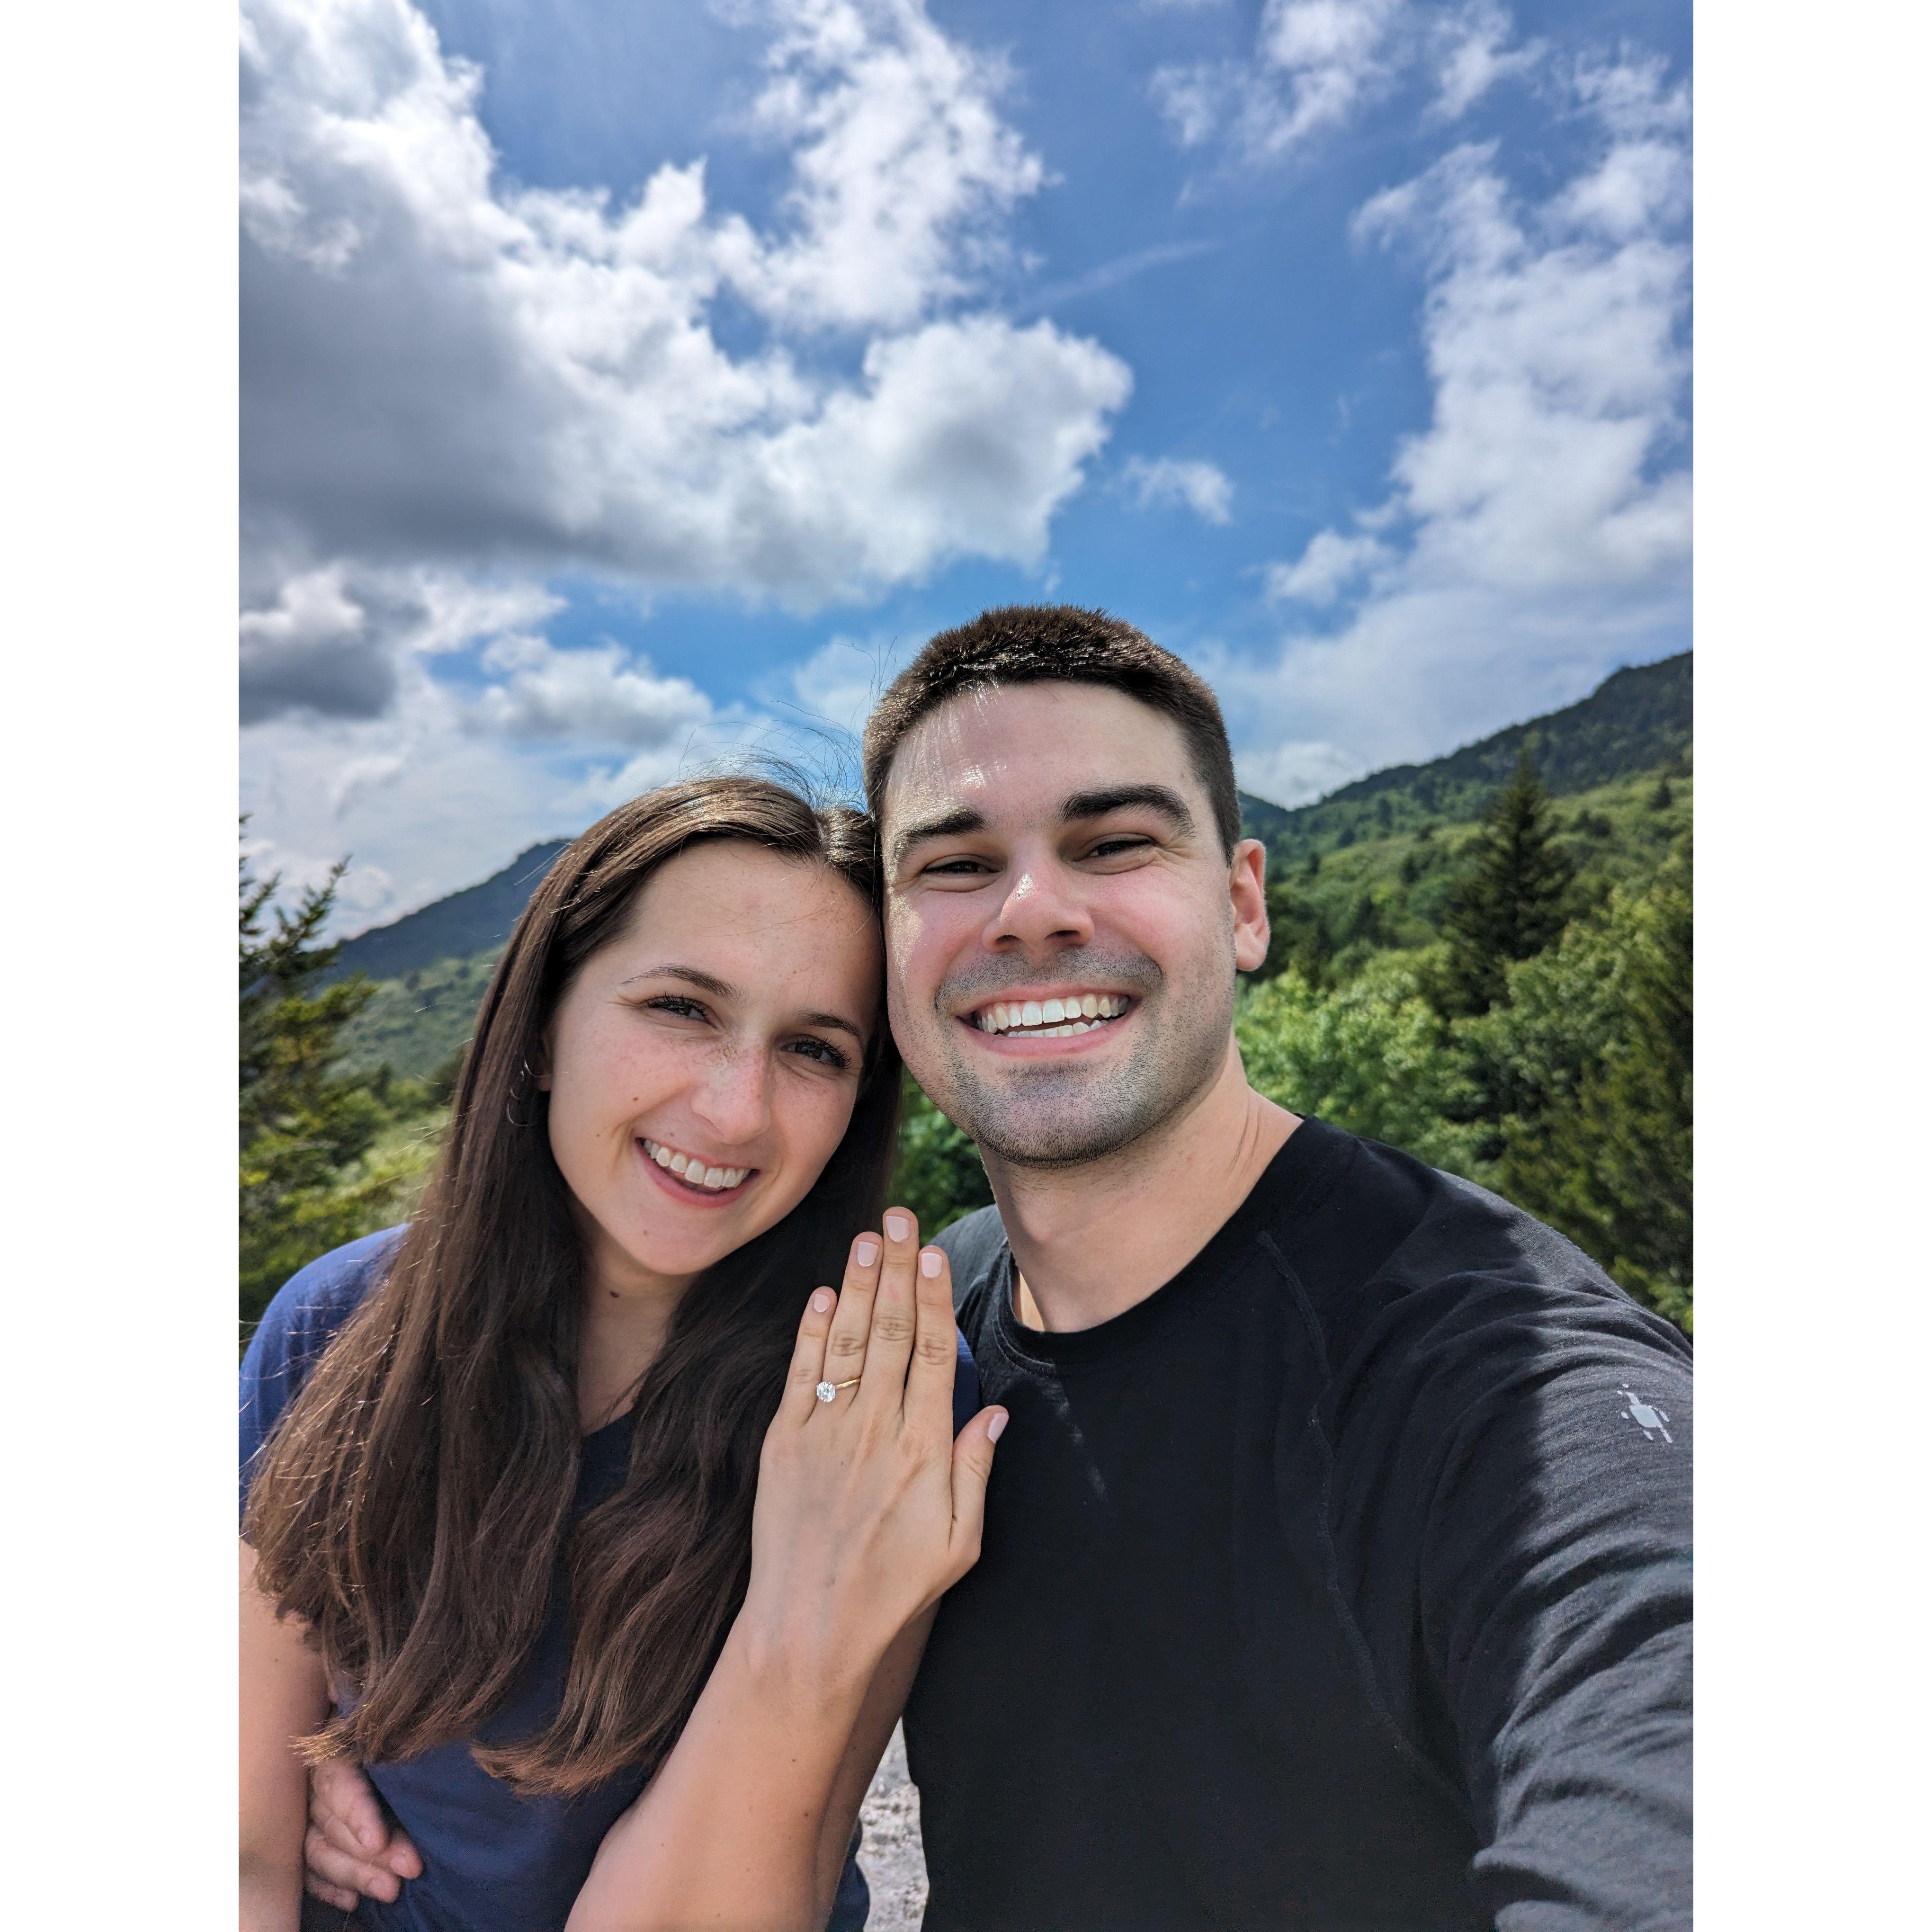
(1062, 926)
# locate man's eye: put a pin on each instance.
(960, 868)
(1112, 848)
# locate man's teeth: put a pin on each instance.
(1051, 1019)
(714, 1180)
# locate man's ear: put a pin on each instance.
(1247, 887)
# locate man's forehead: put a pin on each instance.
(1020, 750)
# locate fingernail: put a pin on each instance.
(897, 1226)
(867, 1252)
(996, 1426)
(929, 1263)
(821, 1301)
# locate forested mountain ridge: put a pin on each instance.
(1637, 720)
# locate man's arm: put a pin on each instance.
(1557, 1618)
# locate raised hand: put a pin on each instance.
(868, 1510)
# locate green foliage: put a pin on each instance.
(1511, 898)
(1594, 1049)
(1371, 1055)
(939, 1176)
(302, 1128)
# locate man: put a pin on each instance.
(1327, 1582)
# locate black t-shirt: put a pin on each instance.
(1342, 1585)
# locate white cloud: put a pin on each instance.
(588, 697)
(902, 165)
(1330, 562)
(1318, 64)
(1200, 486)
(441, 365)
(1539, 526)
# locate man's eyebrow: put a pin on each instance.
(1158, 798)
(723, 989)
(947, 825)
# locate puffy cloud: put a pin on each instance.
(1539, 528)
(901, 164)
(330, 642)
(1317, 64)
(1331, 562)
(443, 370)
(1200, 486)
(589, 697)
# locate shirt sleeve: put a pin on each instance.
(1556, 1605)
(298, 1324)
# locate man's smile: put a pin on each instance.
(1065, 1014)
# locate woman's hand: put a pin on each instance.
(868, 1510)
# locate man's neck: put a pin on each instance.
(1090, 1241)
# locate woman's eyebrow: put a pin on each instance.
(723, 989)
(832, 1020)
(692, 976)
(1097, 804)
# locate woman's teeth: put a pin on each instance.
(1051, 1019)
(695, 1173)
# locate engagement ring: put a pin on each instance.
(827, 1391)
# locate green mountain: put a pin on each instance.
(1378, 877)
(473, 920)
(1637, 720)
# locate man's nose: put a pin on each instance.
(1043, 910)
(733, 1099)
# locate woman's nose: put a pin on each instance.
(732, 1099)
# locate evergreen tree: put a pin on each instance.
(1609, 1160)
(299, 1126)
(1511, 902)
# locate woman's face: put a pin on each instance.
(703, 1066)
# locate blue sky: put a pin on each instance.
(626, 385)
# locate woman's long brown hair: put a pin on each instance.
(411, 1505)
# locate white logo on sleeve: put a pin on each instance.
(1650, 1420)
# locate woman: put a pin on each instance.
(619, 1633)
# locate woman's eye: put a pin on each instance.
(677, 1006)
(822, 1050)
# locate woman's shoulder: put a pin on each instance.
(298, 1324)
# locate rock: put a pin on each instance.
(893, 1855)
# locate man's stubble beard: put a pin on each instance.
(1068, 1115)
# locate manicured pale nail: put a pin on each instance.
(929, 1263)
(998, 1422)
(867, 1252)
(821, 1301)
(897, 1226)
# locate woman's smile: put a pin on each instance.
(690, 1177)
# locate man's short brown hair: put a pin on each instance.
(1055, 643)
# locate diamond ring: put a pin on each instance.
(827, 1391)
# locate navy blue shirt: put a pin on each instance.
(492, 1859)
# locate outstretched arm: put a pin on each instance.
(867, 1512)
(284, 1696)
